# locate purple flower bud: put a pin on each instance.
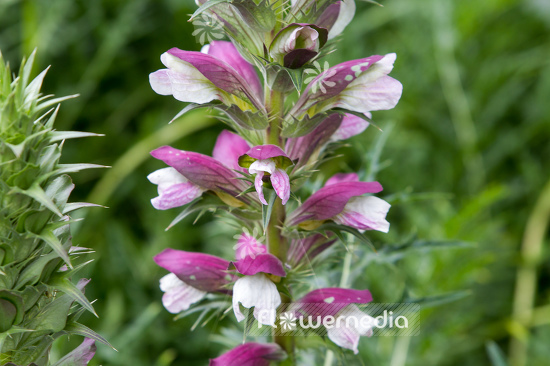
(81, 355)
(296, 44)
(336, 17)
(250, 354)
(229, 146)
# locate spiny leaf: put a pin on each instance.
(55, 244)
(37, 193)
(65, 135)
(65, 285)
(80, 329)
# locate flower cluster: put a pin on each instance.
(281, 130)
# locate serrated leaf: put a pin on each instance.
(56, 245)
(37, 193)
(65, 285)
(33, 89)
(66, 135)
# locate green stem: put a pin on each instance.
(276, 242)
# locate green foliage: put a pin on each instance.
(36, 292)
(105, 50)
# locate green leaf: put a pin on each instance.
(37, 193)
(66, 135)
(205, 202)
(69, 207)
(65, 285)
(267, 210)
(339, 229)
(496, 355)
(80, 329)
(73, 168)
(55, 244)
(431, 301)
(207, 5)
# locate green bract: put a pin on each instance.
(36, 260)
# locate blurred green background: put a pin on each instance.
(466, 157)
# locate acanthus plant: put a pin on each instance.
(41, 295)
(282, 131)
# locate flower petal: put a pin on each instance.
(304, 147)
(202, 170)
(250, 354)
(80, 356)
(259, 292)
(259, 185)
(183, 81)
(330, 200)
(228, 53)
(281, 184)
(173, 188)
(229, 146)
(202, 271)
(264, 263)
(337, 78)
(342, 177)
(248, 246)
(219, 73)
(351, 125)
(346, 11)
(365, 213)
(330, 301)
(380, 94)
(178, 295)
(345, 337)
(263, 152)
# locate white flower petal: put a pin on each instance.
(259, 292)
(365, 213)
(347, 11)
(178, 296)
(266, 165)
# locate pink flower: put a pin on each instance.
(341, 200)
(190, 173)
(248, 246)
(272, 160)
(250, 354)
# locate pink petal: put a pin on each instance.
(202, 271)
(250, 354)
(229, 54)
(342, 177)
(259, 184)
(81, 355)
(177, 195)
(219, 73)
(202, 170)
(178, 296)
(266, 263)
(351, 125)
(229, 146)
(329, 301)
(281, 184)
(248, 246)
(330, 200)
(263, 152)
(381, 94)
(365, 213)
(303, 147)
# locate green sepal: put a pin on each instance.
(37, 193)
(338, 230)
(248, 120)
(207, 5)
(267, 210)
